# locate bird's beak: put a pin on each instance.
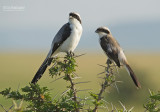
(96, 31)
(70, 17)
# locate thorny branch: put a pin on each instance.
(107, 82)
(74, 92)
(67, 66)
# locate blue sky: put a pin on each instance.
(135, 24)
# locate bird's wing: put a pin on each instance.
(60, 37)
(109, 46)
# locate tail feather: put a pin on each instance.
(133, 76)
(41, 70)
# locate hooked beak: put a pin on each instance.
(96, 31)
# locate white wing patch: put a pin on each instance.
(122, 57)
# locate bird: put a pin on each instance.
(114, 52)
(66, 40)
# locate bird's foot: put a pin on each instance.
(70, 53)
(109, 62)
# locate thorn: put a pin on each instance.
(20, 105)
(83, 90)
(79, 55)
(102, 65)
(18, 87)
(112, 106)
(15, 104)
(116, 68)
(105, 101)
(119, 81)
(100, 73)
(150, 92)
(83, 99)
(74, 74)
(64, 92)
(76, 77)
(82, 82)
(55, 96)
(124, 108)
(57, 79)
(130, 109)
(54, 64)
(107, 107)
(3, 107)
(10, 108)
(116, 87)
(101, 77)
(116, 109)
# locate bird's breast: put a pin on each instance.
(72, 41)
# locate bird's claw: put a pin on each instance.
(109, 62)
(70, 53)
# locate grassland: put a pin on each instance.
(19, 68)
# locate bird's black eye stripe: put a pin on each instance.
(75, 16)
(103, 30)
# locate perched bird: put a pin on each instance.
(66, 40)
(114, 52)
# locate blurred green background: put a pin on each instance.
(18, 70)
(27, 28)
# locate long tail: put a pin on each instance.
(41, 70)
(133, 76)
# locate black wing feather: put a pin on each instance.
(61, 37)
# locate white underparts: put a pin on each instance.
(72, 41)
(101, 34)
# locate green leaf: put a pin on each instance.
(156, 97)
(5, 92)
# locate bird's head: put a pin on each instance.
(74, 17)
(102, 31)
